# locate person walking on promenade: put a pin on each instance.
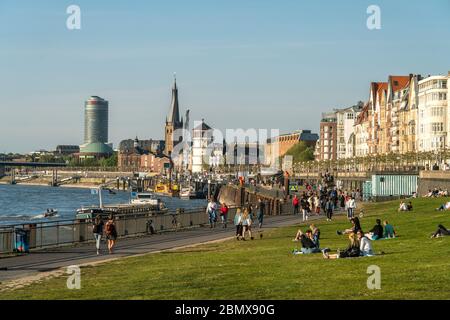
(238, 223)
(342, 202)
(211, 211)
(316, 205)
(329, 209)
(246, 224)
(261, 207)
(97, 229)
(224, 214)
(304, 208)
(295, 204)
(351, 206)
(111, 233)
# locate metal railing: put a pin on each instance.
(74, 231)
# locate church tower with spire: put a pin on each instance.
(173, 121)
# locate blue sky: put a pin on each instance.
(239, 64)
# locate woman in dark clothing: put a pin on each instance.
(111, 234)
(352, 250)
(97, 230)
(355, 227)
(261, 206)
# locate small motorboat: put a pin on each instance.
(50, 213)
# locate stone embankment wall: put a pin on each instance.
(433, 179)
(241, 196)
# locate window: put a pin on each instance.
(437, 111)
(437, 127)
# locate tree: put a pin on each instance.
(109, 162)
(301, 152)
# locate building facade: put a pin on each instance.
(278, 146)
(346, 119)
(433, 115)
(326, 148)
(95, 120)
(95, 130)
(142, 155)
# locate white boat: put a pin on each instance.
(187, 193)
(145, 198)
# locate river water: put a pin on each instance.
(20, 203)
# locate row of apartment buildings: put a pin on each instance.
(403, 115)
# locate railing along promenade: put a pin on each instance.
(75, 231)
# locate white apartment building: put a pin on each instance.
(433, 117)
(346, 119)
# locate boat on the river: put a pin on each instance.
(191, 193)
(50, 213)
(145, 198)
(141, 203)
(166, 189)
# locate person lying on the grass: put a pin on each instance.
(445, 206)
(389, 231)
(307, 241)
(441, 231)
(352, 251)
(355, 227)
(376, 232)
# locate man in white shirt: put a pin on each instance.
(351, 206)
(211, 211)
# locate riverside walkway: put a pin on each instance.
(41, 261)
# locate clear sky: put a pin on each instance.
(239, 63)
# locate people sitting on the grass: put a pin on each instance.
(436, 193)
(352, 251)
(445, 206)
(409, 206)
(403, 206)
(441, 231)
(376, 232)
(365, 245)
(389, 231)
(315, 234)
(307, 241)
(356, 225)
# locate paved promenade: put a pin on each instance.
(52, 259)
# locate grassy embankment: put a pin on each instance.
(413, 267)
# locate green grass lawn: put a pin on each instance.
(413, 266)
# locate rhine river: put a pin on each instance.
(20, 203)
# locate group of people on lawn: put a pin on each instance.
(360, 242)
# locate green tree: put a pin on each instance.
(301, 152)
(109, 162)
